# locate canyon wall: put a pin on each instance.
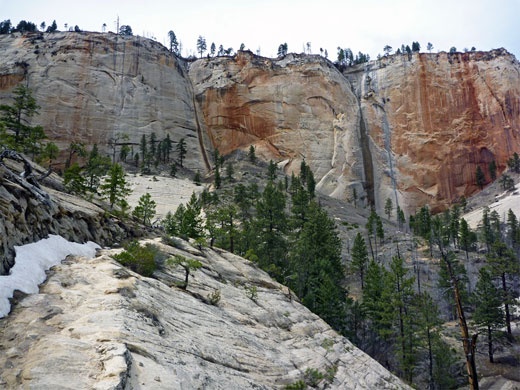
(433, 118)
(91, 87)
(412, 128)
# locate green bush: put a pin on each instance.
(252, 293)
(300, 385)
(140, 259)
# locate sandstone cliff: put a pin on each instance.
(96, 325)
(412, 128)
(433, 118)
(93, 86)
(409, 127)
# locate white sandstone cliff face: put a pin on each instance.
(96, 325)
(92, 86)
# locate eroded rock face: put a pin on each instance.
(299, 107)
(97, 325)
(412, 128)
(25, 219)
(433, 118)
(92, 86)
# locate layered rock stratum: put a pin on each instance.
(412, 128)
(97, 325)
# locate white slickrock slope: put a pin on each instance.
(96, 325)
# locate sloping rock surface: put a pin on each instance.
(97, 325)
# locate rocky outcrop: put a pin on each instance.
(97, 325)
(92, 86)
(25, 219)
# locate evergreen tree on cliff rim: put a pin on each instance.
(201, 45)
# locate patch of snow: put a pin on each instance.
(503, 203)
(31, 262)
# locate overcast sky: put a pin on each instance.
(362, 25)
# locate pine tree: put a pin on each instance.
(428, 325)
(315, 269)
(252, 154)
(74, 180)
(196, 178)
(400, 291)
(488, 313)
(504, 265)
(145, 209)
(514, 229)
(218, 180)
(96, 167)
(359, 257)
(480, 178)
(400, 217)
(16, 131)
(201, 46)
(514, 163)
(452, 277)
(271, 223)
(271, 170)
(173, 170)
(379, 230)
(181, 150)
(465, 239)
(144, 149)
(373, 295)
(115, 188)
(388, 208)
(229, 172)
(492, 168)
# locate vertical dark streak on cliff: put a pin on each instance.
(199, 131)
(137, 57)
(368, 166)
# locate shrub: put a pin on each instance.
(252, 293)
(138, 258)
(214, 297)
